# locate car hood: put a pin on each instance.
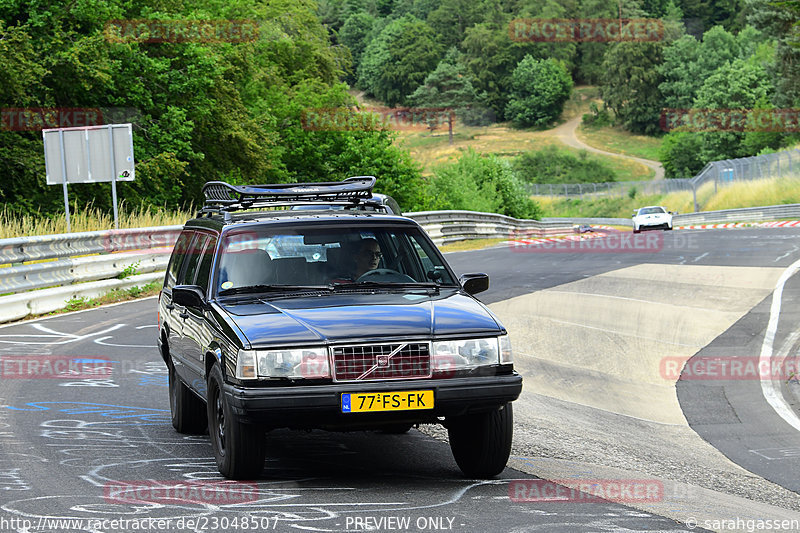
(358, 317)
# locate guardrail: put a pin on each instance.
(44, 272)
(452, 226)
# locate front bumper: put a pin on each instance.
(319, 406)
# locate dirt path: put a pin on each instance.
(566, 134)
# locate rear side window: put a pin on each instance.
(206, 260)
(193, 260)
(177, 259)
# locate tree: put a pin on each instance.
(739, 85)
(780, 21)
(355, 35)
(539, 90)
(449, 87)
(397, 61)
(491, 58)
(680, 154)
(480, 183)
(630, 84)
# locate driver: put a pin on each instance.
(368, 255)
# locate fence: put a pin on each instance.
(722, 173)
(89, 264)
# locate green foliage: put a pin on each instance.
(450, 86)
(740, 85)
(76, 304)
(355, 34)
(630, 84)
(203, 110)
(130, 270)
(480, 183)
(397, 61)
(596, 117)
(680, 154)
(539, 90)
(551, 165)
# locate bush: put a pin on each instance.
(551, 165)
(680, 154)
(478, 183)
(596, 118)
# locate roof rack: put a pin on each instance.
(224, 198)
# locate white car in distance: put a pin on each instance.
(652, 217)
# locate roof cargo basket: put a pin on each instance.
(223, 197)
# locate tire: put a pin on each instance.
(239, 448)
(481, 443)
(187, 410)
(636, 230)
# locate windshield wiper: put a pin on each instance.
(403, 285)
(274, 288)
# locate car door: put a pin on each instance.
(184, 322)
(197, 331)
(174, 276)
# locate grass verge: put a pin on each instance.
(113, 296)
(472, 244)
(88, 219)
(619, 141)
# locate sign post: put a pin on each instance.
(91, 154)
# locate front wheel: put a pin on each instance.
(239, 448)
(187, 410)
(481, 443)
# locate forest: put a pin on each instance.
(234, 107)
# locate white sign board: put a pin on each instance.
(89, 155)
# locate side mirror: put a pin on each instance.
(188, 296)
(474, 283)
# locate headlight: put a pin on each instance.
(465, 354)
(301, 363)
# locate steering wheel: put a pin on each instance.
(385, 274)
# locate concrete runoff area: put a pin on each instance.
(597, 404)
(582, 343)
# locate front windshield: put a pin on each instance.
(311, 256)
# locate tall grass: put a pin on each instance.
(773, 191)
(87, 219)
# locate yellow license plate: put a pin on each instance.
(360, 402)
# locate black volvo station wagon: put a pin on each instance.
(342, 318)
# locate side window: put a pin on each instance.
(193, 261)
(205, 264)
(176, 261)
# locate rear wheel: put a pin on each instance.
(636, 230)
(481, 443)
(239, 448)
(188, 411)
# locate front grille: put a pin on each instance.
(382, 361)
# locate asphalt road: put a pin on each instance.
(72, 444)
